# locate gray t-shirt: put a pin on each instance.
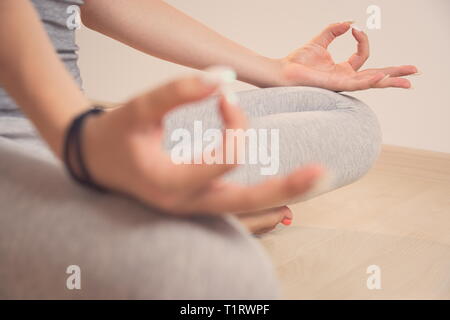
(54, 15)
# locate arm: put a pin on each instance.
(129, 137)
(158, 29)
(33, 75)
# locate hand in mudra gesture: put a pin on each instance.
(123, 152)
(312, 65)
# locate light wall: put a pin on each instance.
(412, 32)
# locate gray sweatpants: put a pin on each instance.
(126, 250)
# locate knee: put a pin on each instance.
(364, 139)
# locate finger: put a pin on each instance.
(271, 193)
(330, 33)
(362, 53)
(393, 82)
(398, 71)
(154, 104)
(362, 83)
(235, 123)
(201, 173)
(266, 220)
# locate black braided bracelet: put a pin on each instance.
(73, 150)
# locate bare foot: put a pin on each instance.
(266, 220)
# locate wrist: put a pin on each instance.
(74, 152)
(53, 123)
(60, 121)
(265, 72)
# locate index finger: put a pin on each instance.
(330, 33)
(153, 105)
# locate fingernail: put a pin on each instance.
(357, 28)
(286, 221)
(418, 73)
(411, 87)
(351, 21)
(218, 75)
(222, 76)
(230, 96)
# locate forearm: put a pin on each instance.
(33, 75)
(156, 28)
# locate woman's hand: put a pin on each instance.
(123, 152)
(312, 65)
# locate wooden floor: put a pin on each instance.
(397, 217)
